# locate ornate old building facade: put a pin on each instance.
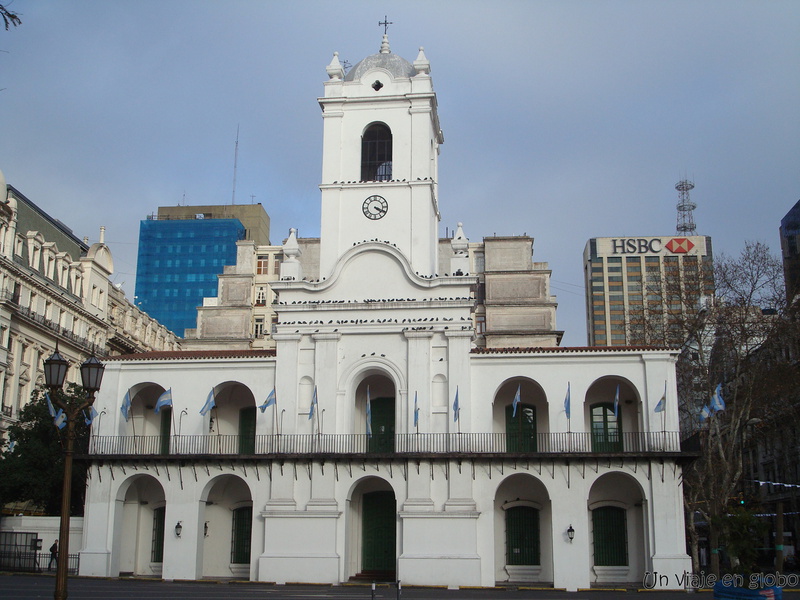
(55, 289)
(383, 435)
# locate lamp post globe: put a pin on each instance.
(55, 371)
(92, 374)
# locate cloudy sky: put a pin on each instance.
(563, 119)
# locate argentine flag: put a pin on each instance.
(164, 399)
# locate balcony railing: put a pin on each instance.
(401, 444)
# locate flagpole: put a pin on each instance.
(568, 408)
(133, 426)
(275, 430)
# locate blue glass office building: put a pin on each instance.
(178, 264)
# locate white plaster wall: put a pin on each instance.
(47, 529)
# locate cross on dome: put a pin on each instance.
(386, 22)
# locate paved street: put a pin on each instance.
(25, 587)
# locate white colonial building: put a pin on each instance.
(398, 446)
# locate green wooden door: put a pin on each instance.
(378, 530)
(382, 439)
(521, 429)
(242, 527)
(157, 546)
(247, 430)
(166, 425)
(610, 536)
(522, 536)
(606, 429)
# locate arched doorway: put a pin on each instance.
(233, 419)
(141, 524)
(616, 517)
(375, 402)
(522, 420)
(373, 530)
(612, 411)
(151, 432)
(523, 537)
(227, 521)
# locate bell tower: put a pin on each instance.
(381, 139)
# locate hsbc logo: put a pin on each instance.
(650, 245)
(679, 245)
(636, 246)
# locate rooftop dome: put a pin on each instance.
(396, 65)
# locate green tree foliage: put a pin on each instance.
(34, 469)
(742, 532)
(10, 18)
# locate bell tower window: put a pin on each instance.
(376, 153)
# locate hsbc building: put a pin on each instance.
(633, 284)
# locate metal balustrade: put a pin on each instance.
(398, 444)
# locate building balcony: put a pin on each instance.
(470, 445)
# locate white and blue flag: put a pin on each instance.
(125, 409)
(164, 399)
(313, 404)
(270, 401)
(717, 403)
(211, 402)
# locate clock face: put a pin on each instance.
(375, 207)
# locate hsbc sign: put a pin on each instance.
(679, 245)
(650, 245)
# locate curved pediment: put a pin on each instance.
(101, 255)
(373, 271)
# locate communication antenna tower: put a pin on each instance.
(686, 224)
(235, 163)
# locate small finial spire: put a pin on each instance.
(102, 235)
(385, 45)
(422, 64)
(335, 69)
(459, 243)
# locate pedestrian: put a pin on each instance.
(53, 556)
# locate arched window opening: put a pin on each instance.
(376, 153)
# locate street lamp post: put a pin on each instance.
(55, 372)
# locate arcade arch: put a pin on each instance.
(616, 518)
(372, 524)
(523, 538)
(226, 527)
(139, 520)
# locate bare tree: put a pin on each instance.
(725, 347)
(10, 18)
